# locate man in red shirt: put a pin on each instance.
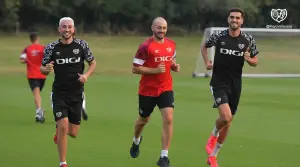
(32, 55)
(154, 60)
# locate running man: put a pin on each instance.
(65, 57)
(154, 60)
(233, 48)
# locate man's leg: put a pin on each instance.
(75, 118)
(227, 108)
(36, 89)
(146, 107)
(61, 112)
(62, 131)
(219, 133)
(166, 105)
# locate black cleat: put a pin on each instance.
(135, 149)
(163, 162)
(37, 119)
(84, 114)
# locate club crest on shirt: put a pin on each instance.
(241, 46)
(76, 51)
(169, 49)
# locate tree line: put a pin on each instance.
(135, 16)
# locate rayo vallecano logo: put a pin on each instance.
(278, 15)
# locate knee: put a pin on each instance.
(168, 119)
(227, 120)
(63, 126)
(142, 121)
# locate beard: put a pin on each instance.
(159, 35)
(234, 27)
(67, 35)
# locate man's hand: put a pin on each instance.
(209, 65)
(247, 55)
(175, 67)
(49, 67)
(82, 78)
(161, 68)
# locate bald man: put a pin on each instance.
(154, 61)
(65, 57)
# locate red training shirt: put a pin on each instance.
(150, 54)
(33, 54)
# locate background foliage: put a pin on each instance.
(135, 16)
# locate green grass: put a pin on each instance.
(264, 132)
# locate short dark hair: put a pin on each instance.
(33, 36)
(237, 10)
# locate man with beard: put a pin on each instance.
(66, 58)
(154, 60)
(233, 47)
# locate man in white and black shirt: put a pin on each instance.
(233, 48)
(66, 58)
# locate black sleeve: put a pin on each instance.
(88, 56)
(252, 46)
(48, 54)
(212, 40)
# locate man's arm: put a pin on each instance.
(23, 56)
(174, 66)
(47, 59)
(210, 42)
(139, 60)
(252, 60)
(88, 56)
(204, 53)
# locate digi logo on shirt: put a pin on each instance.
(68, 60)
(231, 52)
(163, 58)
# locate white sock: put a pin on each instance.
(62, 163)
(215, 132)
(37, 111)
(164, 153)
(216, 149)
(136, 140)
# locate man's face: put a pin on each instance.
(66, 29)
(159, 30)
(235, 20)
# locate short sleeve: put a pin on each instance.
(87, 53)
(140, 56)
(47, 54)
(23, 54)
(212, 40)
(252, 46)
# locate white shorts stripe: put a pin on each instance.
(212, 92)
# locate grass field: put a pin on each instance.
(264, 133)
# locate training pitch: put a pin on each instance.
(264, 132)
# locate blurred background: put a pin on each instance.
(134, 17)
(263, 134)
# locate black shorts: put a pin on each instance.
(36, 83)
(147, 103)
(223, 95)
(69, 106)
